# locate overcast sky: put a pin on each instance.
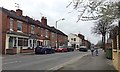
(54, 10)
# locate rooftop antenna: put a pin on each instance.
(17, 5)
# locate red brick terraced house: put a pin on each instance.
(22, 33)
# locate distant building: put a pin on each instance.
(87, 44)
(83, 39)
(74, 40)
(84, 42)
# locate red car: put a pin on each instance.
(61, 49)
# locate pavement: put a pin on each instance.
(89, 62)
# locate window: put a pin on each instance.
(22, 42)
(34, 42)
(19, 26)
(15, 42)
(30, 43)
(10, 42)
(71, 38)
(74, 39)
(39, 32)
(25, 42)
(32, 29)
(11, 24)
(53, 44)
(47, 33)
(52, 35)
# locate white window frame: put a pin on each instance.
(32, 30)
(11, 24)
(53, 35)
(47, 33)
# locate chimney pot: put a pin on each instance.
(19, 12)
(44, 21)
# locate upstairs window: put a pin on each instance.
(47, 35)
(74, 39)
(32, 29)
(52, 35)
(71, 38)
(19, 28)
(39, 32)
(11, 24)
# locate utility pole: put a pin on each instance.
(57, 43)
(119, 35)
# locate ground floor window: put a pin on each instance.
(77, 46)
(12, 42)
(39, 43)
(22, 42)
(74, 45)
(30, 43)
(15, 42)
(25, 42)
(34, 42)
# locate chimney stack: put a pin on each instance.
(44, 21)
(81, 36)
(19, 12)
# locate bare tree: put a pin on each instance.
(101, 10)
(102, 27)
(96, 9)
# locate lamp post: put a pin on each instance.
(119, 34)
(56, 31)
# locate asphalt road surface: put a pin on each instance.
(39, 62)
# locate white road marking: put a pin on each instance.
(12, 62)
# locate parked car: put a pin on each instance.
(61, 49)
(76, 48)
(53, 50)
(44, 50)
(70, 48)
(38, 49)
(83, 48)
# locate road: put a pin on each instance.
(39, 62)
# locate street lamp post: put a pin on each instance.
(118, 31)
(56, 31)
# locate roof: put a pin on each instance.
(27, 19)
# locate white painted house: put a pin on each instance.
(74, 40)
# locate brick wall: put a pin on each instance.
(4, 27)
(115, 59)
(15, 25)
(28, 28)
(24, 27)
(0, 32)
